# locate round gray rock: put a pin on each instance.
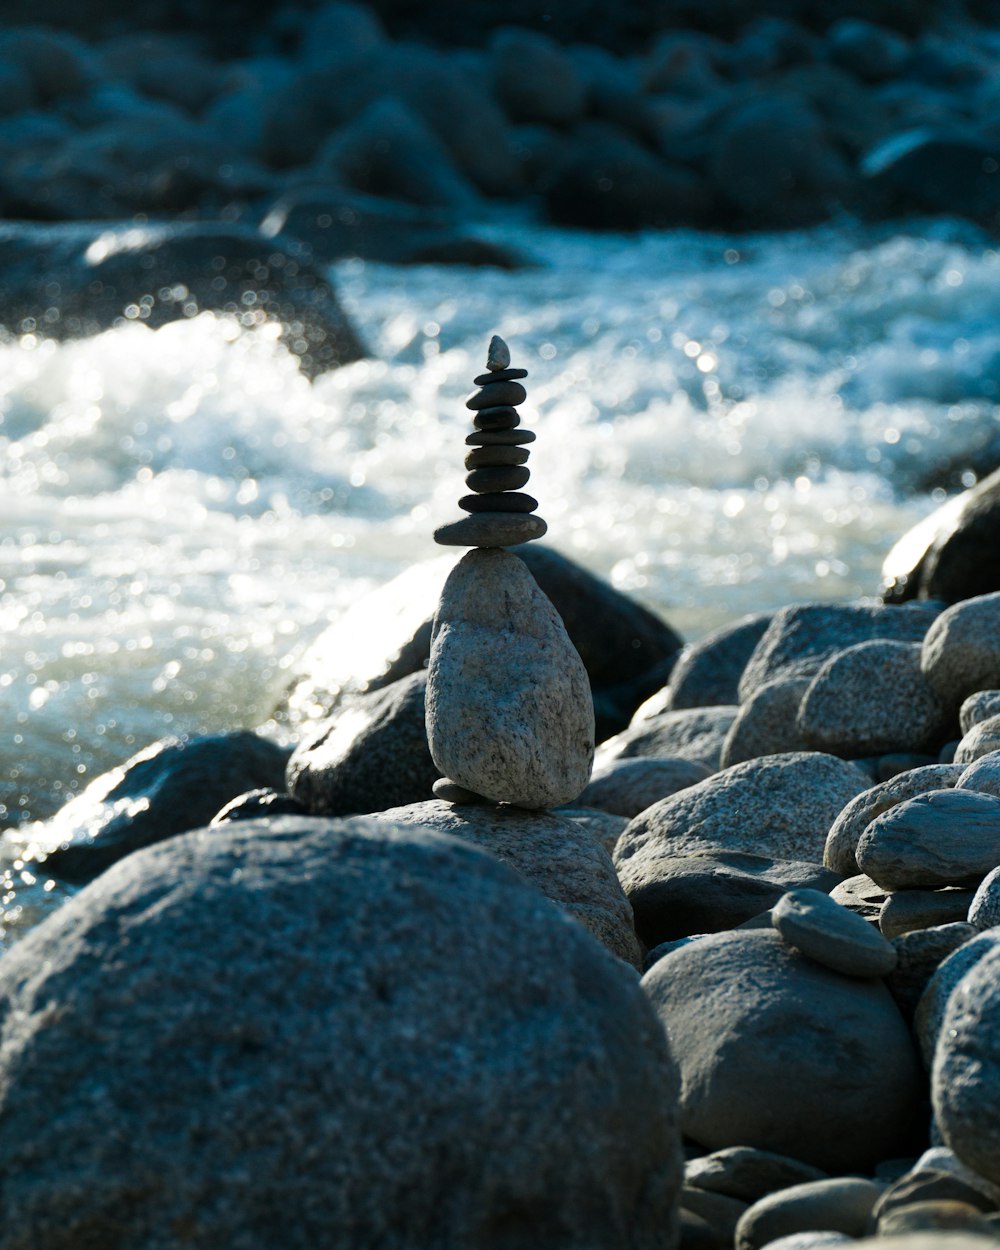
(965, 1082)
(931, 1008)
(982, 739)
(984, 910)
(509, 708)
(840, 1204)
(908, 911)
(980, 706)
(767, 723)
(831, 935)
(961, 652)
(695, 734)
(627, 787)
(314, 1032)
(707, 673)
(746, 1173)
(982, 775)
(780, 1053)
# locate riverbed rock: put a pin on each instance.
(984, 910)
(923, 1183)
(946, 837)
(920, 952)
(696, 734)
(842, 840)
(861, 895)
(169, 787)
(372, 754)
(748, 1173)
(908, 911)
(811, 922)
(980, 706)
(750, 1024)
(802, 637)
(707, 672)
(257, 804)
(961, 652)
(509, 709)
(842, 1204)
(779, 806)
(965, 1079)
(929, 1016)
(983, 774)
(871, 699)
(937, 170)
(767, 723)
(628, 786)
(558, 857)
(292, 1004)
(534, 79)
(982, 739)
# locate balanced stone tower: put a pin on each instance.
(510, 717)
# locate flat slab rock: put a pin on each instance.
(509, 709)
(832, 935)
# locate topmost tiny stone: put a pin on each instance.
(499, 355)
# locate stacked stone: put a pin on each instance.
(501, 514)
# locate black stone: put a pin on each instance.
(501, 375)
(488, 457)
(507, 501)
(502, 477)
(496, 419)
(495, 393)
(499, 438)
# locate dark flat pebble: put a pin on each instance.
(508, 501)
(500, 477)
(497, 393)
(499, 438)
(497, 418)
(501, 375)
(488, 457)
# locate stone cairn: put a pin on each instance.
(501, 515)
(510, 716)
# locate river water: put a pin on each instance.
(724, 424)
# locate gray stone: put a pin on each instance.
(982, 739)
(937, 1214)
(961, 653)
(534, 79)
(983, 775)
(673, 896)
(800, 638)
(965, 1080)
(628, 786)
(496, 393)
(767, 723)
(923, 1183)
(497, 355)
(929, 1016)
(861, 895)
(708, 671)
(821, 929)
(449, 792)
(747, 1173)
(557, 856)
(721, 1212)
(943, 1240)
(984, 910)
(695, 734)
(906, 911)
(920, 952)
(604, 827)
(169, 787)
(870, 52)
(491, 456)
(870, 699)
(506, 501)
(840, 1204)
(817, 1240)
(945, 837)
(370, 755)
(498, 478)
(943, 1159)
(286, 1034)
(509, 710)
(777, 1052)
(840, 852)
(255, 804)
(779, 806)
(491, 529)
(980, 706)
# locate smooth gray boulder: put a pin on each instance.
(509, 710)
(841, 1204)
(961, 652)
(831, 935)
(929, 1016)
(909, 911)
(944, 837)
(801, 637)
(965, 1079)
(603, 826)
(697, 734)
(371, 754)
(748, 1173)
(982, 739)
(777, 1052)
(983, 774)
(628, 786)
(558, 856)
(534, 79)
(980, 706)
(767, 723)
(920, 952)
(840, 852)
(984, 910)
(707, 672)
(314, 1032)
(871, 699)
(779, 806)
(861, 895)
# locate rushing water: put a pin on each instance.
(725, 424)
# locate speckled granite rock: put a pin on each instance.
(829, 934)
(696, 734)
(628, 786)
(767, 723)
(961, 652)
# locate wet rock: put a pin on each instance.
(172, 786)
(905, 911)
(831, 935)
(870, 52)
(801, 638)
(693, 734)
(187, 266)
(841, 1204)
(946, 837)
(257, 804)
(982, 739)
(767, 723)
(295, 1002)
(628, 786)
(920, 952)
(961, 652)
(929, 1016)
(780, 806)
(509, 710)
(707, 672)
(534, 79)
(870, 699)
(340, 31)
(937, 170)
(750, 1024)
(556, 855)
(58, 63)
(372, 754)
(842, 841)
(674, 896)
(747, 1173)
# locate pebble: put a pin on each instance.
(983, 775)
(982, 739)
(504, 418)
(502, 375)
(929, 1016)
(500, 438)
(496, 501)
(497, 355)
(747, 1173)
(708, 671)
(767, 723)
(496, 393)
(484, 457)
(961, 652)
(721, 1212)
(840, 1204)
(696, 733)
(832, 935)
(628, 786)
(907, 910)
(946, 837)
(452, 792)
(491, 529)
(980, 706)
(497, 478)
(861, 895)
(936, 1214)
(984, 910)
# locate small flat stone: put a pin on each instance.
(501, 375)
(497, 354)
(747, 1173)
(503, 418)
(498, 478)
(452, 792)
(832, 935)
(860, 895)
(495, 393)
(491, 529)
(499, 438)
(842, 1204)
(489, 457)
(920, 953)
(506, 501)
(905, 911)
